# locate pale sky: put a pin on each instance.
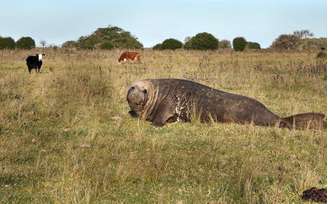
(153, 21)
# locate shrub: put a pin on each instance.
(285, 42)
(202, 41)
(157, 46)
(118, 37)
(7, 43)
(224, 44)
(88, 42)
(313, 44)
(171, 44)
(253, 45)
(106, 46)
(187, 45)
(69, 44)
(25, 43)
(239, 43)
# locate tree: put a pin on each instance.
(106, 46)
(171, 44)
(118, 37)
(43, 43)
(239, 43)
(285, 42)
(302, 34)
(88, 42)
(7, 43)
(188, 45)
(25, 43)
(157, 46)
(224, 44)
(186, 39)
(313, 44)
(202, 41)
(69, 44)
(253, 45)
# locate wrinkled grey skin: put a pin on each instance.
(169, 100)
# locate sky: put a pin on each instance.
(154, 21)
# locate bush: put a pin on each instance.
(7, 43)
(171, 44)
(69, 44)
(202, 41)
(253, 45)
(285, 42)
(116, 36)
(87, 42)
(239, 43)
(188, 45)
(224, 44)
(157, 46)
(25, 43)
(313, 44)
(106, 46)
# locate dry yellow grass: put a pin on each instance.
(66, 136)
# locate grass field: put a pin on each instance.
(66, 136)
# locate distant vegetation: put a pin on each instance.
(25, 43)
(285, 42)
(22, 43)
(70, 44)
(202, 41)
(253, 45)
(224, 44)
(239, 43)
(299, 40)
(112, 37)
(157, 46)
(312, 44)
(106, 46)
(7, 43)
(169, 44)
(106, 38)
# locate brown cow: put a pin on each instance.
(133, 56)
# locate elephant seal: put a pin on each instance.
(168, 100)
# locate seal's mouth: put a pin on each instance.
(133, 114)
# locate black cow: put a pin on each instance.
(34, 62)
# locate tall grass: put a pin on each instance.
(66, 136)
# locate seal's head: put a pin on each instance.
(140, 97)
(137, 99)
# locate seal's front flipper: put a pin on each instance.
(163, 114)
(158, 123)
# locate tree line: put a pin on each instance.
(114, 37)
(22, 43)
(298, 40)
